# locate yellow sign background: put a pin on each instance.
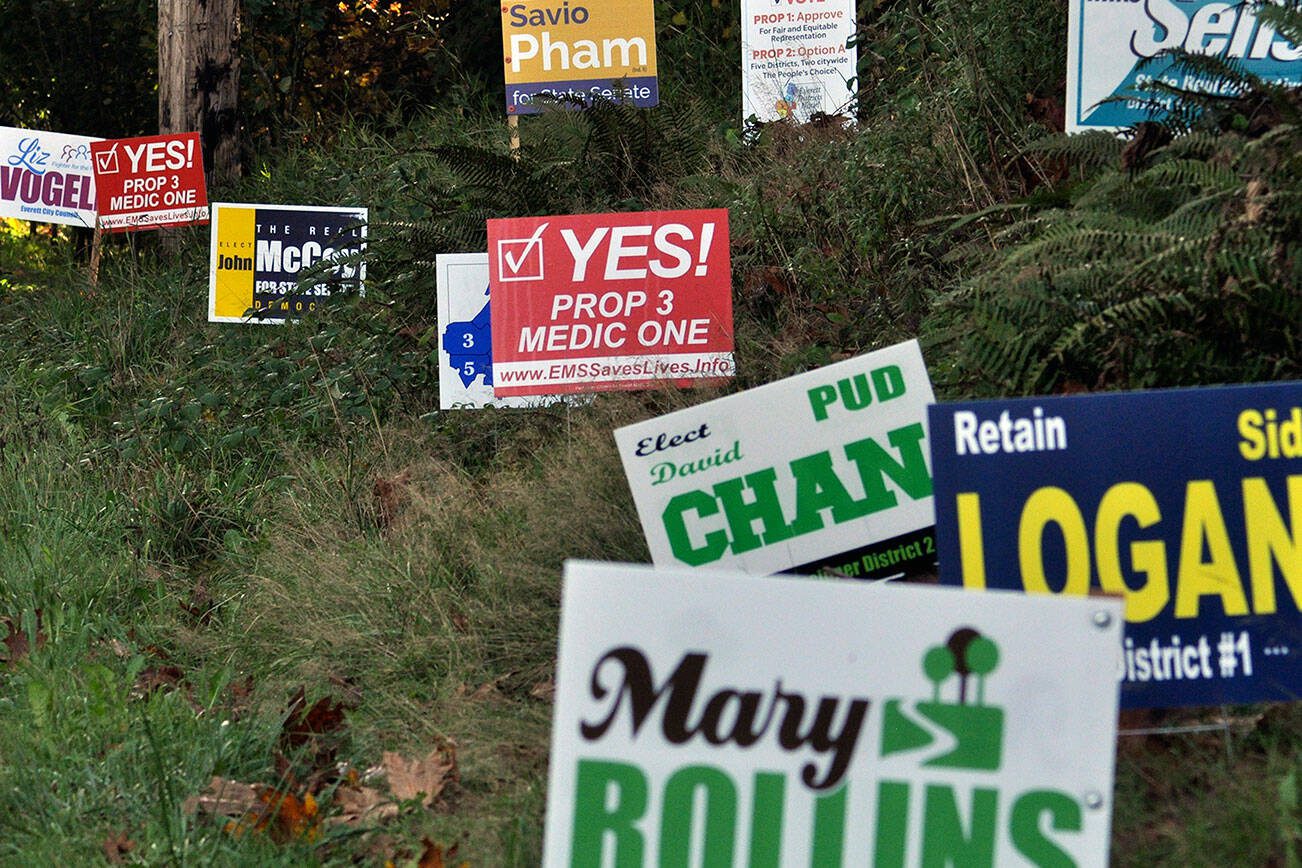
(233, 231)
(607, 20)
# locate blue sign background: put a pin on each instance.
(1162, 440)
(1102, 47)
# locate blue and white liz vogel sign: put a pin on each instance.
(1187, 502)
(1109, 40)
(466, 338)
(46, 177)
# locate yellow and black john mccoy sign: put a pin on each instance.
(272, 263)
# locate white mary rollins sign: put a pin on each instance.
(719, 719)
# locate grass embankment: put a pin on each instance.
(197, 521)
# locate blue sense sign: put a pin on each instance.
(1187, 502)
(1115, 49)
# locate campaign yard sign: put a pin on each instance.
(796, 59)
(149, 182)
(465, 336)
(713, 719)
(46, 177)
(825, 469)
(576, 52)
(593, 302)
(274, 263)
(1188, 502)
(1111, 49)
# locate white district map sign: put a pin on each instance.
(721, 719)
(795, 60)
(465, 337)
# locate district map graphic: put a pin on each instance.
(469, 346)
(465, 336)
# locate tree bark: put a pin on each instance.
(199, 77)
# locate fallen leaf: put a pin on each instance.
(492, 689)
(434, 857)
(359, 805)
(225, 797)
(424, 778)
(16, 640)
(293, 818)
(239, 697)
(487, 690)
(544, 690)
(282, 815)
(309, 742)
(325, 716)
(116, 846)
(154, 678)
(390, 496)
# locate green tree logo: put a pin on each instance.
(962, 734)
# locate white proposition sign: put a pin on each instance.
(796, 58)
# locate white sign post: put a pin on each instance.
(718, 719)
(825, 469)
(795, 58)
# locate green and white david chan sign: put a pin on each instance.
(826, 469)
(706, 718)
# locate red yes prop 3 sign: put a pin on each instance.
(594, 302)
(149, 182)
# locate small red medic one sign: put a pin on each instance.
(594, 302)
(149, 182)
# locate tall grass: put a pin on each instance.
(268, 509)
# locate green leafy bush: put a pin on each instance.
(1180, 268)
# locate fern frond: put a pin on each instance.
(1091, 149)
(1186, 271)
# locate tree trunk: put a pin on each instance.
(199, 78)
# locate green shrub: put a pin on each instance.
(1182, 270)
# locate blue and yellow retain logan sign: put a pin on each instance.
(575, 51)
(1188, 502)
(273, 263)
